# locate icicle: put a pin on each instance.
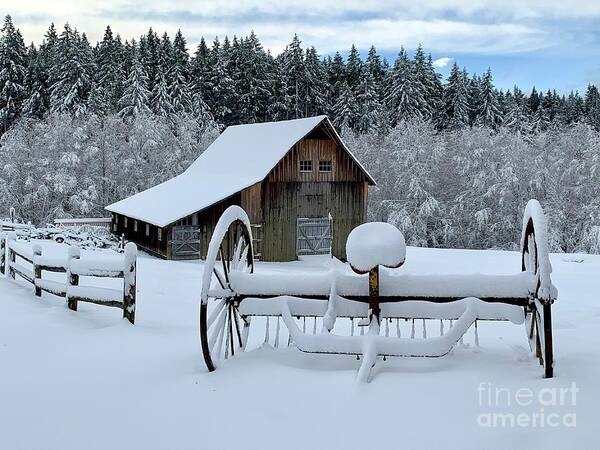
(277, 334)
(398, 327)
(451, 323)
(387, 327)
(441, 327)
(424, 329)
(476, 335)
(362, 330)
(304, 324)
(267, 332)
(352, 327)
(412, 330)
(315, 325)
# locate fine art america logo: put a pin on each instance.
(504, 407)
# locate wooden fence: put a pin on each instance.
(32, 264)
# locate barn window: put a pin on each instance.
(147, 230)
(160, 234)
(325, 166)
(306, 165)
(135, 225)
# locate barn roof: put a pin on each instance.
(241, 156)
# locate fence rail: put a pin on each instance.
(30, 264)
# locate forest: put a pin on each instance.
(456, 159)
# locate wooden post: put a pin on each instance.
(2, 253)
(37, 269)
(129, 282)
(72, 279)
(374, 293)
(548, 351)
(11, 254)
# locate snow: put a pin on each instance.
(64, 372)
(392, 282)
(240, 157)
(534, 212)
(375, 243)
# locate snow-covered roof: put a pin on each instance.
(241, 156)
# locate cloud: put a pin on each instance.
(442, 26)
(442, 62)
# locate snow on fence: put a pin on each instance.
(30, 264)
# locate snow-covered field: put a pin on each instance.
(90, 380)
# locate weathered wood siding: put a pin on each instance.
(288, 193)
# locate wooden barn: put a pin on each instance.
(302, 188)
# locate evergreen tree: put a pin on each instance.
(405, 97)
(110, 75)
(71, 73)
(36, 104)
(136, 96)
(353, 69)
(367, 104)
(293, 68)
(592, 106)
(456, 99)
(344, 109)
(12, 73)
(317, 89)
(489, 112)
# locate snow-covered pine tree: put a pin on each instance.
(353, 68)
(336, 75)
(368, 107)
(404, 97)
(294, 71)
(317, 89)
(456, 99)
(489, 111)
(517, 116)
(71, 73)
(13, 62)
(344, 110)
(110, 74)
(136, 98)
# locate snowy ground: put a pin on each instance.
(89, 380)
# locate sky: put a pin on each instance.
(542, 43)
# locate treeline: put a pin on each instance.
(238, 81)
(455, 161)
(468, 188)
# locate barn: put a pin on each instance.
(302, 188)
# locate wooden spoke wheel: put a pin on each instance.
(529, 252)
(223, 331)
(538, 316)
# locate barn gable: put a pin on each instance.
(238, 159)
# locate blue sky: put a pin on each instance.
(546, 43)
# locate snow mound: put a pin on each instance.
(375, 243)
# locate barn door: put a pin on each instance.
(185, 243)
(313, 236)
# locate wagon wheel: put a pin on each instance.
(539, 322)
(223, 331)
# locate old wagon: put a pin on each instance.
(373, 299)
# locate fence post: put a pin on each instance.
(72, 279)
(2, 253)
(129, 281)
(37, 269)
(11, 254)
